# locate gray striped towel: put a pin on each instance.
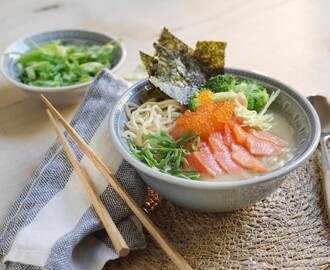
(52, 224)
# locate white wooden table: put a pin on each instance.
(289, 40)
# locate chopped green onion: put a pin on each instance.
(56, 64)
(166, 154)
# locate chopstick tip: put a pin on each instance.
(123, 252)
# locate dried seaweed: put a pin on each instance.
(168, 40)
(177, 70)
(177, 73)
(211, 56)
(180, 67)
(149, 63)
(154, 92)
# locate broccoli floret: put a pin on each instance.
(260, 102)
(221, 83)
(255, 93)
(251, 103)
(195, 100)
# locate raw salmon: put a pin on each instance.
(217, 143)
(177, 132)
(228, 164)
(204, 162)
(233, 149)
(268, 136)
(227, 135)
(222, 155)
(255, 145)
(242, 157)
(261, 147)
(239, 133)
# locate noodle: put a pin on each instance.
(150, 118)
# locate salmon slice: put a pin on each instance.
(239, 133)
(261, 147)
(177, 132)
(204, 162)
(222, 155)
(228, 164)
(202, 144)
(217, 143)
(227, 135)
(242, 157)
(268, 136)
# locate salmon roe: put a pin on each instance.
(209, 117)
(205, 96)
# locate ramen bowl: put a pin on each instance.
(222, 196)
(59, 95)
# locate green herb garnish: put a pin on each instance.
(56, 64)
(167, 154)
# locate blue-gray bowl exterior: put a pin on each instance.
(216, 195)
(212, 200)
(78, 37)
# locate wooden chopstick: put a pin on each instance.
(109, 225)
(159, 237)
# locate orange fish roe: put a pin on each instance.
(208, 118)
(225, 112)
(205, 96)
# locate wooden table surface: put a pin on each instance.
(288, 40)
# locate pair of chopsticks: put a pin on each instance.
(115, 236)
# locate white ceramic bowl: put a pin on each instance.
(57, 95)
(225, 196)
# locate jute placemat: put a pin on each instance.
(287, 230)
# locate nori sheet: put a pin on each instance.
(177, 70)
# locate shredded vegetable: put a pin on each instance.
(259, 120)
(57, 64)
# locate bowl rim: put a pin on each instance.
(207, 185)
(40, 89)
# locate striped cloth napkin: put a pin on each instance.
(52, 224)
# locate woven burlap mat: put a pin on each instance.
(287, 230)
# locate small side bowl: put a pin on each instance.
(220, 196)
(64, 95)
